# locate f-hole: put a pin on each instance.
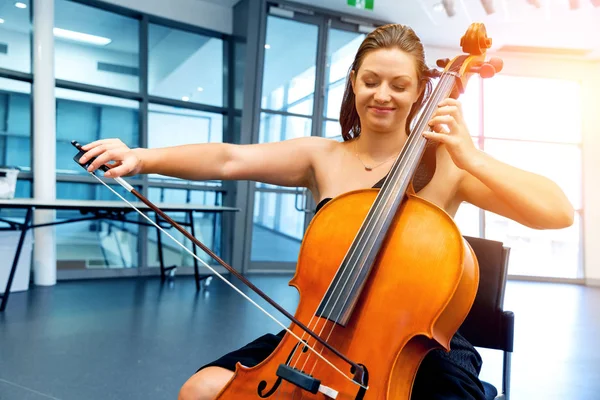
(263, 384)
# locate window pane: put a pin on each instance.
(171, 126)
(559, 162)
(518, 108)
(467, 219)
(15, 124)
(278, 227)
(23, 189)
(275, 127)
(471, 105)
(333, 130)
(97, 244)
(240, 66)
(86, 117)
(15, 37)
(289, 70)
(333, 101)
(185, 66)
(549, 253)
(342, 47)
(94, 244)
(207, 228)
(108, 56)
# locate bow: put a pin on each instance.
(359, 372)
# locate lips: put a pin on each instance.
(382, 110)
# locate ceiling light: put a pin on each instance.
(81, 37)
(20, 5)
(200, 89)
(185, 98)
(267, 46)
(449, 7)
(488, 6)
(1, 21)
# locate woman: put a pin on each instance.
(387, 83)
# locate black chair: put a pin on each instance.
(488, 325)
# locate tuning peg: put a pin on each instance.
(442, 62)
(487, 70)
(497, 63)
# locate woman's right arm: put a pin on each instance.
(285, 163)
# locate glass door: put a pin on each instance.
(301, 55)
(342, 45)
(287, 109)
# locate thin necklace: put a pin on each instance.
(370, 167)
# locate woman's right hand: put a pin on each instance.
(115, 154)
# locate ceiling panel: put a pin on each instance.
(514, 22)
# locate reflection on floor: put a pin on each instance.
(138, 339)
(270, 245)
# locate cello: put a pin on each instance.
(398, 281)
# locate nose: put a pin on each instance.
(382, 94)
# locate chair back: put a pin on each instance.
(487, 324)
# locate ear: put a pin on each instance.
(420, 92)
(353, 80)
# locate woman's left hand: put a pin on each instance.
(449, 128)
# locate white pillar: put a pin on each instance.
(44, 140)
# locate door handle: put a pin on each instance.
(301, 193)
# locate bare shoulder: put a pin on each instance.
(289, 162)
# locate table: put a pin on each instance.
(96, 210)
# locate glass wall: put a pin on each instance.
(103, 50)
(15, 38)
(87, 117)
(207, 227)
(550, 147)
(547, 146)
(174, 126)
(146, 81)
(178, 66)
(96, 47)
(15, 124)
(288, 91)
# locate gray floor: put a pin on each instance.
(138, 339)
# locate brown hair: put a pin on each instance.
(384, 37)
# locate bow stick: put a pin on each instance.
(359, 372)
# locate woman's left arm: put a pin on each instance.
(530, 199)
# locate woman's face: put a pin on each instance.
(385, 88)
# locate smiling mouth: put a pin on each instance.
(382, 109)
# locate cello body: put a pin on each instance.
(420, 290)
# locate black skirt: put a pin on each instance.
(441, 376)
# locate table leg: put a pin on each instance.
(25, 228)
(193, 232)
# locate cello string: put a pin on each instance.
(221, 277)
(442, 88)
(410, 146)
(364, 231)
(445, 84)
